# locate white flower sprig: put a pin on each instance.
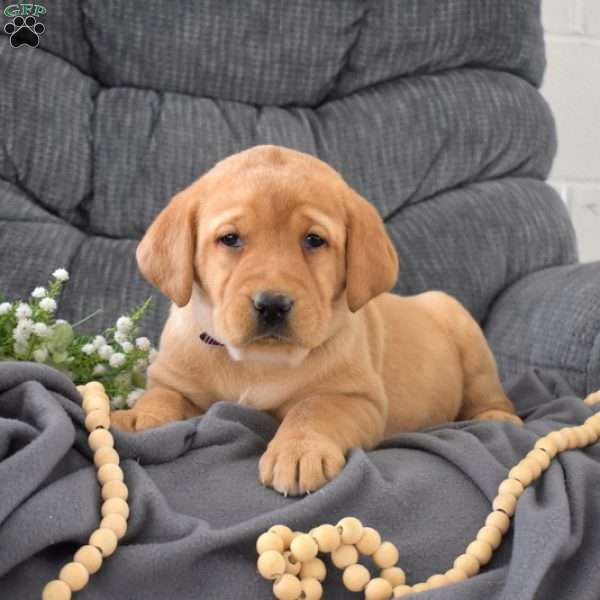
(116, 357)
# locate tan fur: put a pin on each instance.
(358, 363)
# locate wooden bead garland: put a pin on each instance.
(74, 576)
(281, 550)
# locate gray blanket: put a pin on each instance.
(197, 506)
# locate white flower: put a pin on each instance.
(141, 364)
(134, 396)
(39, 292)
(23, 311)
(5, 307)
(61, 274)
(124, 324)
(143, 343)
(117, 402)
(41, 329)
(105, 351)
(99, 341)
(152, 356)
(88, 348)
(117, 359)
(99, 369)
(23, 330)
(59, 321)
(20, 348)
(120, 337)
(127, 347)
(40, 355)
(48, 304)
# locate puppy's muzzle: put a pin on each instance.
(272, 311)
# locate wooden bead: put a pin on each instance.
(534, 467)
(594, 424)
(292, 565)
(420, 587)
(506, 503)
(105, 540)
(271, 564)
(541, 457)
(559, 439)
(455, 575)
(378, 589)
(114, 489)
(467, 563)
(109, 472)
(90, 557)
(115, 522)
(105, 456)
(351, 530)
(491, 535)
(356, 577)
(583, 437)
(304, 547)
(327, 538)
(402, 590)
(56, 590)
(99, 438)
(94, 387)
(285, 533)
(344, 556)
(499, 520)
(511, 486)
(386, 555)
(269, 541)
(548, 445)
(437, 581)
(97, 418)
(96, 402)
(522, 473)
(369, 541)
(80, 389)
(395, 575)
(115, 505)
(571, 437)
(314, 568)
(312, 589)
(287, 587)
(482, 551)
(75, 575)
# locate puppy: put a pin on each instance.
(277, 270)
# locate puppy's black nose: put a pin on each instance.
(272, 309)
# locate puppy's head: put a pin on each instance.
(272, 245)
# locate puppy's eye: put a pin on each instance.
(312, 240)
(232, 240)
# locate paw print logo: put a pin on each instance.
(24, 31)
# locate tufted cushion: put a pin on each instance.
(428, 108)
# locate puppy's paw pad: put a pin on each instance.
(301, 465)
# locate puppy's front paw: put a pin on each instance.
(133, 420)
(300, 465)
(499, 415)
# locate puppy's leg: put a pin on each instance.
(483, 396)
(156, 407)
(310, 445)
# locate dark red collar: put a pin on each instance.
(207, 339)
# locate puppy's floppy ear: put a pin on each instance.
(371, 259)
(165, 256)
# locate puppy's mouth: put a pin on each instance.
(270, 339)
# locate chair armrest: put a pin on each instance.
(550, 319)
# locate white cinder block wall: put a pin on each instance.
(572, 88)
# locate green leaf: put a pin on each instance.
(61, 337)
